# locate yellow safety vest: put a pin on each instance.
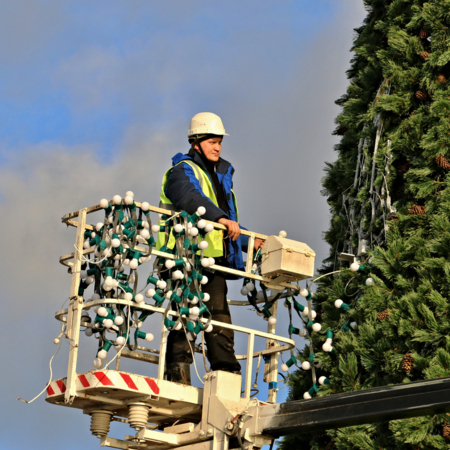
(215, 238)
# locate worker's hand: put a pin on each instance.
(259, 244)
(233, 228)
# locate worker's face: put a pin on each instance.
(211, 148)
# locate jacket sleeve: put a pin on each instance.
(184, 191)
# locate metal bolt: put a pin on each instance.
(230, 426)
(210, 431)
(201, 433)
(206, 376)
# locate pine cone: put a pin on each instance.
(423, 34)
(417, 210)
(424, 55)
(400, 191)
(383, 315)
(446, 431)
(441, 79)
(341, 130)
(393, 217)
(403, 168)
(407, 363)
(442, 162)
(421, 95)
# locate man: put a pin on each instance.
(203, 178)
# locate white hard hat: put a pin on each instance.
(206, 123)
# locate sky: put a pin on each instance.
(96, 98)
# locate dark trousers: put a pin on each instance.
(219, 342)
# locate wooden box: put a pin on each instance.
(287, 260)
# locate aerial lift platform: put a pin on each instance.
(166, 415)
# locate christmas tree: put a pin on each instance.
(387, 309)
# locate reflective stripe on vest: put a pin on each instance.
(215, 238)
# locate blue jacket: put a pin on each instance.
(184, 191)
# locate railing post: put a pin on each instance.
(74, 310)
(248, 372)
(162, 350)
(271, 369)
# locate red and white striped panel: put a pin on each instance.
(108, 378)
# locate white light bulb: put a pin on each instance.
(129, 200)
(145, 206)
(206, 297)
(169, 294)
(150, 293)
(149, 337)
(369, 282)
(272, 320)
(104, 203)
(322, 380)
(194, 301)
(130, 193)
(177, 275)
(118, 257)
(203, 245)
(284, 368)
(178, 228)
(313, 314)
(97, 363)
(305, 312)
(145, 234)
(108, 323)
(326, 347)
(188, 267)
(304, 292)
(134, 263)
(193, 231)
(118, 320)
(260, 314)
(354, 325)
(145, 225)
(102, 311)
(109, 282)
(306, 396)
(204, 280)
(302, 332)
(260, 295)
(212, 261)
(209, 227)
(93, 235)
(155, 228)
(117, 199)
(354, 267)
(120, 340)
(250, 286)
(244, 291)
(88, 332)
(102, 354)
(178, 326)
(169, 263)
(209, 328)
(128, 296)
(282, 234)
(83, 274)
(99, 226)
(316, 327)
(306, 365)
(201, 223)
(86, 244)
(201, 210)
(161, 284)
(338, 303)
(95, 297)
(205, 262)
(194, 311)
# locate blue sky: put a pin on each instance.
(95, 99)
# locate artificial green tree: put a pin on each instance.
(389, 195)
